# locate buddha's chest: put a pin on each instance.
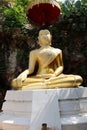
(45, 54)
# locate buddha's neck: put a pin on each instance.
(45, 46)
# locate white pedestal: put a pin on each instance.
(60, 109)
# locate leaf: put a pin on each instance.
(78, 4)
(84, 1)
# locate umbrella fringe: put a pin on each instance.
(43, 8)
(37, 2)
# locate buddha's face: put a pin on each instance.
(44, 37)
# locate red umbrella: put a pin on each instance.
(43, 12)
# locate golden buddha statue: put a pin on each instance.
(45, 68)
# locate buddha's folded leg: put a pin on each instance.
(64, 81)
(34, 86)
(31, 81)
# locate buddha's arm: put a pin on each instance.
(32, 61)
(59, 60)
(58, 71)
(23, 75)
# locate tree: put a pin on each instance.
(15, 15)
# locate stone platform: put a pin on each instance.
(60, 109)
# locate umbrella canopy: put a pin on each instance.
(43, 12)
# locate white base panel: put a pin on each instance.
(60, 109)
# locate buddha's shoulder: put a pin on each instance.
(57, 50)
(33, 51)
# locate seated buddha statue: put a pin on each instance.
(45, 68)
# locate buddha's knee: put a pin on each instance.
(14, 83)
(78, 80)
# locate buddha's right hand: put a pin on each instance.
(16, 83)
(19, 82)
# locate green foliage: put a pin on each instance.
(15, 16)
(75, 14)
(70, 6)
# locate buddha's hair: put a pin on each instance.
(45, 31)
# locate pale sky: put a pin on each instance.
(64, 0)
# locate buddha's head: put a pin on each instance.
(44, 37)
